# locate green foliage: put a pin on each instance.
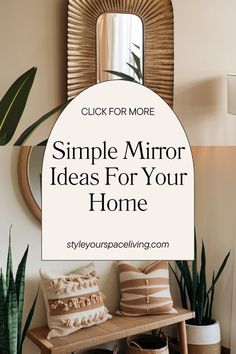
(136, 68)
(11, 306)
(13, 104)
(25, 135)
(193, 289)
(12, 107)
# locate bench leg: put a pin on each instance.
(183, 337)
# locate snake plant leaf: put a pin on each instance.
(121, 75)
(212, 297)
(188, 280)
(202, 286)
(182, 290)
(3, 286)
(137, 62)
(25, 135)
(13, 104)
(28, 322)
(194, 273)
(184, 269)
(3, 343)
(136, 70)
(20, 288)
(219, 271)
(9, 261)
(11, 317)
(207, 307)
(196, 283)
(2, 299)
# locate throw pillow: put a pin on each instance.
(146, 291)
(73, 301)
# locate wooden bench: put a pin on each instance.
(117, 328)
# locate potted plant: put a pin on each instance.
(203, 332)
(12, 334)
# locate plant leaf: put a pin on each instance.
(28, 322)
(137, 62)
(194, 273)
(13, 104)
(25, 135)
(2, 297)
(206, 316)
(9, 261)
(121, 75)
(137, 72)
(202, 287)
(184, 269)
(11, 317)
(43, 143)
(219, 272)
(212, 298)
(2, 307)
(20, 290)
(181, 288)
(136, 45)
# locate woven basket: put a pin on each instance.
(147, 344)
(103, 351)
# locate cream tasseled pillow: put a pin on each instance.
(145, 292)
(73, 301)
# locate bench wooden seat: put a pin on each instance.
(117, 328)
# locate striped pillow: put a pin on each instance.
(73, 302)
(145, 292)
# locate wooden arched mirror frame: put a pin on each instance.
(158, 53)
(24, 181)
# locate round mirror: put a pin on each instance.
(29, 174)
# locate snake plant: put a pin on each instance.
(12, 334)
(195, 293)
(12, 106)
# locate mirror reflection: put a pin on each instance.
(119, 47)
(35, 171)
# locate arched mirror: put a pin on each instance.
(29, 174)
(119, 47)
(107, 40)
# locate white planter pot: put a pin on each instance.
(204, 339)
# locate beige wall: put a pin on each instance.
(32, 32)
(204, 53)
(215, 205)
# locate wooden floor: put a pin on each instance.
(117, 328)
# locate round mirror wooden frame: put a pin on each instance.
(158, 26)
(24, 182)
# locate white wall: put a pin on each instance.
(204, 53)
